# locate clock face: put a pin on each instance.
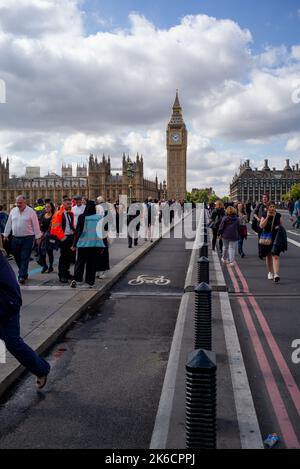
(175, 138)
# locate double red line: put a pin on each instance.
(287, 430)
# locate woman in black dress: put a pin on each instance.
(269, 226)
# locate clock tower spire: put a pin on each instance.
(176, 153)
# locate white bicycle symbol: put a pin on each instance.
(146, 279)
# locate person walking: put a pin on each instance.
(259, 213)
(243, 232)
(269, 226)
(3, 219)
(216, 217)
(10, 305)
(46, 248)
(62, 228)
(149, 219)
(248, 210)
(296, 212)
(133, 223)
(78, 208)
(291, 206)
(24, 226)
(105, 210)
(89, 244)
(229, 231)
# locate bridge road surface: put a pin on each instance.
(107, 373)
(268, 321)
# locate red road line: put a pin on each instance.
(282, 364)
(286, 427)
(242, 278)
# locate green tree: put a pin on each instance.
(295, 192)
(198, 197)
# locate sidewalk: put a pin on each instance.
(50, 308)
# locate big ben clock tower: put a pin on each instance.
(176, 153)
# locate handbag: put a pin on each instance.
(243, 231)
(54, 242)
(266, 239)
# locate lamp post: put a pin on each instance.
(130, 175)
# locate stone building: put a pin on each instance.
(251, 184)
(89, 181)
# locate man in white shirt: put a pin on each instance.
(78, 209)
(24, 225)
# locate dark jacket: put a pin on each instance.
(216, 217)
(280, 243)
(10, 294)
(229, 228)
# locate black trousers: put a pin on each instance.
(66, 257)
(88, 259)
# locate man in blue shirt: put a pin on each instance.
(296, 224)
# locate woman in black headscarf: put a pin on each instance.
(89, 244)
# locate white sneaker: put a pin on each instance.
(231, 264)
(276, 278)
(224, 261)
(270, 276)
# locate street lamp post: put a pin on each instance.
(130, 175)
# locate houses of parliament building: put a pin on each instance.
(97, 177)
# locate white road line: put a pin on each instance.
(292, 241)
(293, 233)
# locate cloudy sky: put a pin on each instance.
(87, 76)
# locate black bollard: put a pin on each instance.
(203, 317)
(201, 400)
(203, 270)
(203, 250)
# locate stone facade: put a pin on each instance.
(90, 182)
(176, 153)
(251, 184)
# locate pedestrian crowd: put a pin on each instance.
(229, 223)
(75, 229)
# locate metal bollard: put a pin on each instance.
(201, 400)
(203, 317)
(203, 270)
(203, 250)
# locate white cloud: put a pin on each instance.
(69, 94)
(293, 144)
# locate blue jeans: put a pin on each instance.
(21, 249)
(241, 246)
(10, 334)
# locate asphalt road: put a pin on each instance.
(268, 321)
(107, 374)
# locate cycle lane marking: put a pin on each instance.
(282, 364)
(280, 410)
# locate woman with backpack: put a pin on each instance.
(215, 221)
